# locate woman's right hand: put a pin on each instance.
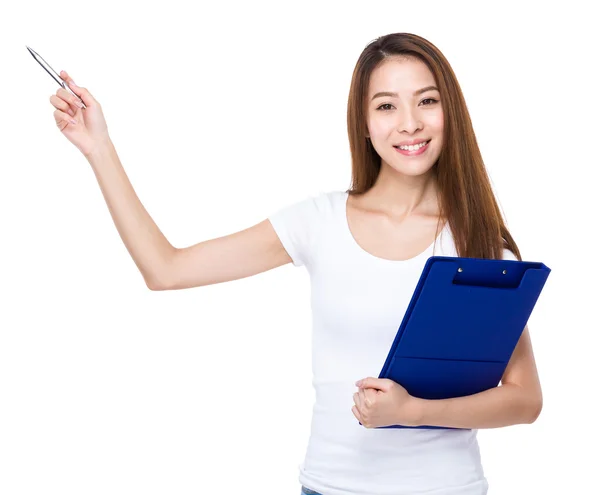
(90, 131)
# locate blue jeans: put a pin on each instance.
(307, 491)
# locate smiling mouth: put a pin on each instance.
(418, 150)
(415, 147)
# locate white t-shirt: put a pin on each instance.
(358, 301)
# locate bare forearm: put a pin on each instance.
(494, 408)
(146, 244)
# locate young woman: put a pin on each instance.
(418, 181)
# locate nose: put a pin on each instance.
(409, 121)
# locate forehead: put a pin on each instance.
(401, 76)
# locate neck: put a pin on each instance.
(401, 195)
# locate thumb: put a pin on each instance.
(83, 93)
(370, 382)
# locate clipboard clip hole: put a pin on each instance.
(503, 272)
(460, 270)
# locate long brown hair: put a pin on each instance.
(465, 194)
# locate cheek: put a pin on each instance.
(377, 128)
(437, 122)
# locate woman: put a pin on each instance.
(418, 180)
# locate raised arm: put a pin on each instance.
(234, 256)
(163, 266)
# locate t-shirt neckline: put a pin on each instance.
(357, 247)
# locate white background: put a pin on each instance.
(221, 115)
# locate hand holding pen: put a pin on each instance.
(85, 127)
(78, 114)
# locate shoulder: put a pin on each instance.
(509, 255)
(326, 199)
(315, 203)
(301, 222)
(308, 213)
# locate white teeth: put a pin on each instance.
(411, 147)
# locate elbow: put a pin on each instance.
(153, 287)
(161, 279)
(155, 284)
(536, 411)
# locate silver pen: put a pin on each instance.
(53, 73)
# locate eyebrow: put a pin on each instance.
(395, 95)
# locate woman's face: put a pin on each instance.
(405, 116)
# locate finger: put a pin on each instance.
(69, 98)
(63, 120)
(66, 77)
(362, 393)
(357, 401)
(61, 104)
(83, 93)
(356, 413)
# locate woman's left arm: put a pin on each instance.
(518, 400)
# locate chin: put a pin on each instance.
(413, 169)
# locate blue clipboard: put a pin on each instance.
(462, 325)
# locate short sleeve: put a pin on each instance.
(298, 225)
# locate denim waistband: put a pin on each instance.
(308, 491)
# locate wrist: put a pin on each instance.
(100, 150)
(418, 407)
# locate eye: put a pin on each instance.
(433, 100)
